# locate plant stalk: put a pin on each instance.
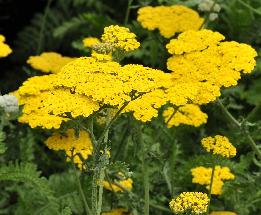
(241, 128)
(210, 187)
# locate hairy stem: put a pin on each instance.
(241, 128)
(101, 178)
(145, 174)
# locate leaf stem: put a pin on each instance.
(126, 19)
(249, 7)
(86, 206)
(243, 129)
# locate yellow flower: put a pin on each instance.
(169, 19)
(49, 62)
(219, 145)
(120, 38)
(117, 211)
(123, 182)
(195, 202)
(189, 114)
(202, 57)
(90, 41)
(4, 48)
(202, 175)
(72, 145)
(222, 213)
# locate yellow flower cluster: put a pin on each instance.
(49, 62)
(83, 86)
(202, 175)
(219, 145)
(169, 19)
(48, 106)
(120, 38)
(189, 114)
(117, 211)
(4, 48)
(222, 213)
(90, 41)
(72, 145)
(202, 57)
(123, 182)
(194, 202)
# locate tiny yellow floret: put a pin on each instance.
(219, 145)
(120, 38)
(194, 202)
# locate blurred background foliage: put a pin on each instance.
(32, 27)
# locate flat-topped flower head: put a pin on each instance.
(72, 145)
(219, 145)
(188, 114)
(118, 184)
(117, 211)
(169, 20)
(202, 175)
(84, 86)
(49, 62)
(120, 38)
(222, 213)
(4, 48)
(193, 202)
(203, 57)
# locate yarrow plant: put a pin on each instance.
(125, 129)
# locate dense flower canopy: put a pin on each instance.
(219, 145)
(82, 87)
(202, 175)
(202, 57)
(49, 62)
(169, 19)
(4, 48)
(72, 145)
(196, 202)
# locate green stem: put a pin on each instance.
(208, 15)
(159, 207)
(86, 206)
(241, 128)
(43, 26)
(94, 192)
(101, 178)
(249, 7)
(107, 127)
(210, 187)
(145, 174)
(126, 19)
